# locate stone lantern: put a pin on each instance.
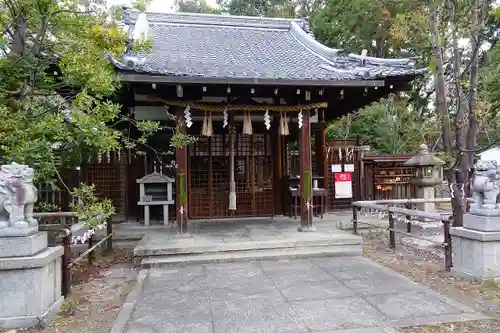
(427, 175)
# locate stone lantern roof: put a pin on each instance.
(424, 158)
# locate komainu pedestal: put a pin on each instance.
(30, 272)
(476, 245)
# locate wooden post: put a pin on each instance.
(109, 230)
(91, 253)
(65, 235)
(354, 220)
(305, 173)
(408, 219)
(181, 183)
(278, 171)
(448, 251)
(324, 161)
(392, 234)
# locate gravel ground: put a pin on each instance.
(427, 268)
(96, 297)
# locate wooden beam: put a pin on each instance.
(149, 78)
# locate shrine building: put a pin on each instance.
(258, 94)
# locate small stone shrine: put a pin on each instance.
(155, 189)
(30, 272)
(476, 245)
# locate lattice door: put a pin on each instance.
(209, 176)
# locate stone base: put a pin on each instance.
(485, 211)
(18, 232)
(23, 246)
(184, 235)
(307, 229)
(476, 254)
(30, 288)
(482, 223)
(33, 321)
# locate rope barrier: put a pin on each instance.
(222, 107)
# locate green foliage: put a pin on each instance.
(55, 80)
(180, 139)
(195, 6)
(270, 8)
(45, 207)
(390, 126)
(307, 190)
(354, 25)
(181, 177)
(90, 210)
(56, 89)
(117, 13)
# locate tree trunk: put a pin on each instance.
(441, 104)
(468, 126)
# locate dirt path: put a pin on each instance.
(96, 297)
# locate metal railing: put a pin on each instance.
(385, 206)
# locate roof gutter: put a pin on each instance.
(148, 78)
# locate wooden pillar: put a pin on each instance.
(278, 170)
(306, 209)
(181, 193)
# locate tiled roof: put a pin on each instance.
(234, 47)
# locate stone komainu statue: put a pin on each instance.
(18, 196)
(486, 186)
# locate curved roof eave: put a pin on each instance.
(325, 64)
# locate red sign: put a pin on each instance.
(343, 185)
(343, 177)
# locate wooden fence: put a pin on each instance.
(66, 229)
(385, 206)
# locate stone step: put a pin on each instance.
(198, 245)
(166, 261)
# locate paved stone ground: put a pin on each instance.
(214, 233)
(349, 295)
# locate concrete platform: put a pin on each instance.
(243, 240)
(325, 295)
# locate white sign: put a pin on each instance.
(349, 167)
(343, 185)
(336, 168)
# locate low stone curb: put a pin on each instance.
(126, 310)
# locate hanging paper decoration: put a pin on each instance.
(187, 116)
(224, 118)
(284, 124)
(210, 129)
(267, 120)
(204, 127)
(349, 154)
(300, 119)
(340, 154)
(247, 124)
